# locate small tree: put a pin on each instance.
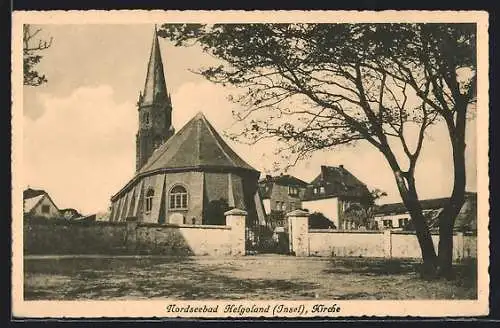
(318, 220)
(31, 56)
(361, 213)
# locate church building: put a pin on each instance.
(181, 176)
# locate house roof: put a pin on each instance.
(197, 146)
(337, 182)
(31, 198)
(426, 204)
(266, 184)
(30, 193)
(32, 202)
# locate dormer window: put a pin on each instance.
(322, 190)
(315, 190)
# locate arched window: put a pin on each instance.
(146, 118)
(149, 200)
(178, 198)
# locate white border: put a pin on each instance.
(431, 308)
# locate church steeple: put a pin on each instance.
(155, 87)
(155, 108)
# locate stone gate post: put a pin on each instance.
(235, 218)
(131, 233)
(387, 243)
(298, 230)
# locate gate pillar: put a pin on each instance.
(298, 230)
(235, 218)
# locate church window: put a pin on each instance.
(149, 200)
(178, 198)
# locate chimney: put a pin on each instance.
(323, 172)
(341, 166)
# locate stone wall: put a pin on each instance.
(59, 236)
(381, 244)
(43, 236)
(341, 243)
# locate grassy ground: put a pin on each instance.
(269, 277)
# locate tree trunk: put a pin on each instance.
(410, 199)
(452, 209)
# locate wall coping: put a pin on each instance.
(298, 214)
(346, 231)
(236, 212)
(189, 226)
(65, 222)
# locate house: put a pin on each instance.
(280, 195)
(395, 216)
(188, 177)
(38, 203)
(69, 213)
(332, 192)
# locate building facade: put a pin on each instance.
(280, 195)
(332, 192)
(395, 216)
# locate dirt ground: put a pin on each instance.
(263, 277)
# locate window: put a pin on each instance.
(149, 200)
(293, 191)
(178, 198)
(387, 223)
(278, 206)
(322, 190)
(146, 118)
(402, 222)
(315, 190)
(283, 206)
(45, 209)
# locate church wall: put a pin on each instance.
(193, 182)
(238, 194)
(216, 186)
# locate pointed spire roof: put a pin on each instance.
(196, 145)
(155, 84)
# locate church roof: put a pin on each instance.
(196, 145)
(155, 85)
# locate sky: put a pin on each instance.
(79, 128)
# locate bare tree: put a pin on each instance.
(317, 86)
(32, 46)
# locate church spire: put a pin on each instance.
(155, 87)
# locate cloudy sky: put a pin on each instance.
(79, 128)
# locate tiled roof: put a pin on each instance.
(337, 182)
(196, 145)
(266, 184)
(426, 204)
(30, 193)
